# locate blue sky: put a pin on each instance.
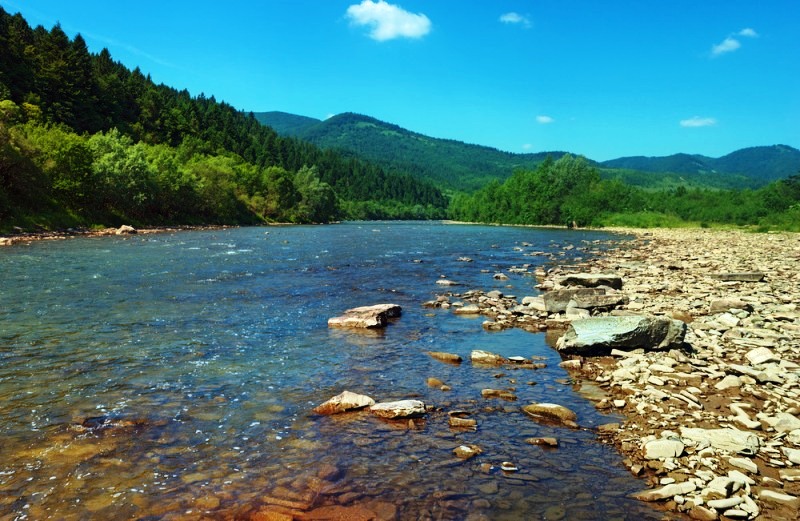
(604, 78)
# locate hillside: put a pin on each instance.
(456, 165)
(86, 141)
(450, 164)
(759, 164)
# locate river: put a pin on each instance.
(172, 376)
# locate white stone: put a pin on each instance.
(761, 355)
(662, 449)
(730, 381)
(399, 409)
(774, 496)
(721, 504)
(792, 455)
(744, 464)
(729, 439)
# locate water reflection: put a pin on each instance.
(173, 377)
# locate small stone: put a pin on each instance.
(449, 358)
(773, 496)
(552, 411)
(729, 382)
(546, 442)
(508, 466)
(344, 402)
(744, 464)
(485, 357)
(466, 452)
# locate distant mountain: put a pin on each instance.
(759, 164)
(286, 124)
(461, 166)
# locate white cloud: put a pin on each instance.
(697, 121)
(729, 44)
(388, 21)
(515, 18)
(527, 146)
(544, 120)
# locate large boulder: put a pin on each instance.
(344, 402)
(366, 317)
(592, 280)
(599, 335)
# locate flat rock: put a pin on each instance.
(366, 317)
(726, 304)
(743, 276)
(556, 301)
(599, 335)
(732, 440)
(592, 280)
(471, 309)
(667, 491)
(345, 401)
(398, 409)
(663, 448)
(773, 496)
(762, 355)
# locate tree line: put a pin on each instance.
(85, 140)
(569, 191)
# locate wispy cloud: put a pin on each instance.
(527, 146)
(544, 120)
(732, 43)
(697, 121)
(515, 18)
(388, 21)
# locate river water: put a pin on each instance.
(172, 376)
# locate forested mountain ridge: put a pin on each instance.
(85, 140)
(764, 163)
(461, 166)
(449, 163)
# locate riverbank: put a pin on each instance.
(25, 237)
(714, 428)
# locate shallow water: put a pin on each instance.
(172, 376)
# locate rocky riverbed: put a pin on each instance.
(711, 424)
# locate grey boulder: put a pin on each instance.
(599, 335)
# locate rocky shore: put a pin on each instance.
(712, 422)
(21, 236)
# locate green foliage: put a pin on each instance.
(570, 191)
(83, 137)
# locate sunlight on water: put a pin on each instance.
(173, 376)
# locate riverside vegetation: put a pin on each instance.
(84, 140)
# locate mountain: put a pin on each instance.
(286, 124)
(456, 165)
(759, 164)
(449, 163)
